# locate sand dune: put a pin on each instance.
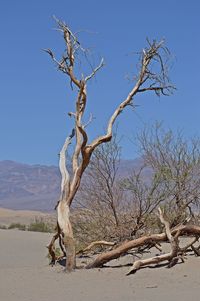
(26, 276)
(8, 216)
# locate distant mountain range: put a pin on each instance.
(31, 187)
(36, 187)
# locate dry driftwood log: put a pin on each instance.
(183, 230)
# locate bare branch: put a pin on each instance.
(96, 244)
(95, 70)
(89, 121)
(145, 75)
(158, 90)
(166, 224)
(60, 64)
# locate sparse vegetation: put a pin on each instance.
(39, 225)
(114, 208)
(111, 209)
(18, 226)
(3, 227)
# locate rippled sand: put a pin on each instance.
(25, 275)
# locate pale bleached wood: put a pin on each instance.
(189, 230)
(164, 257)
(96, 244)
(65, 178)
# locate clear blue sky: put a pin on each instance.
(34, 96)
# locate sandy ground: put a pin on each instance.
(26, 276)
(8, 216)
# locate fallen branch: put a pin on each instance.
(96, 244)
(189, 230)
(51, 247)
(196, 250)
(190, 244)
(172, 256)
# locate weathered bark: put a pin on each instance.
(96, 244)
(51, 248)
(169, 256)
(64, 228)
(67, 235)
(66, 238)
(196, 250)
(105, 257)
(187, 247)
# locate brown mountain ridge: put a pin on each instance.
(36, 187)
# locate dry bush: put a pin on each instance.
(115, 209)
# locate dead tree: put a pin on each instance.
(147, 79)
(170, 235)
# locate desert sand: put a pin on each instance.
(25, 275)
(8, 216)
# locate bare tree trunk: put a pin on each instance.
(65, 231)
(67, 235)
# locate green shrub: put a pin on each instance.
(39, 225)
(3, 227)
(17, 226)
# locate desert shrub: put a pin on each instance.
(3, 227)
(39, 225)
(17, 226)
